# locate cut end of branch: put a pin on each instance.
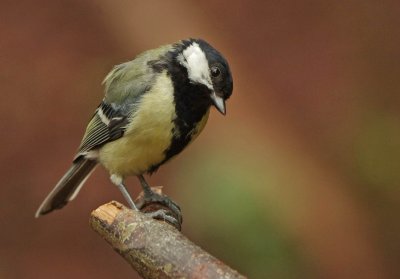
(108, 212)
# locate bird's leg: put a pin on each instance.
(126, 195)
(152, 197)
(146, 188)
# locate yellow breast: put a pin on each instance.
(148, 135)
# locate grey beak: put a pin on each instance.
(218, 102)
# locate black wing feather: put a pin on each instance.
(107, 124)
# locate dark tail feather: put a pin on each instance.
(68, 186)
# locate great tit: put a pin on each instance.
(154, 106)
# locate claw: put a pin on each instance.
(163, 214)
(152, 200)
(160, 207)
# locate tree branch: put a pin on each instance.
(155, 249)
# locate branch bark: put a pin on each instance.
(155, 249)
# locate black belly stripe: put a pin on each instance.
(191, 104)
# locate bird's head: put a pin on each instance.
(207, 68)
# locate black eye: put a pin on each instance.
(215, 71)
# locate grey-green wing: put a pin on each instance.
(115, 111)
(124, 86)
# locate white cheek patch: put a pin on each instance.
(195, 61)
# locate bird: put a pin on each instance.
(154, 106)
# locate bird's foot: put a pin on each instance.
(164, 215)
(160, 207)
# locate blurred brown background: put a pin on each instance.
(299, 180)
